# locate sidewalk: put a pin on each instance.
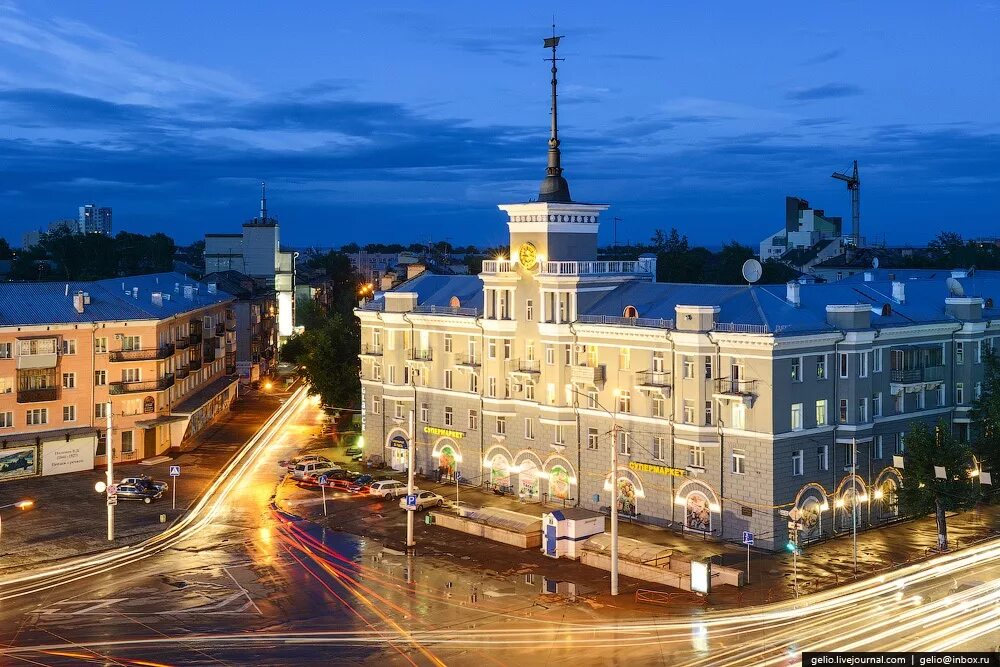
(821, 565)
(69, 517)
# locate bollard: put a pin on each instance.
(163, 518)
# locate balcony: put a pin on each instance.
(149, 354)
(231, 369)
(493, 266)
(595, 268)
(37, 395)
(220, 329)
(467, 360)
(420, 355)
(195, 337)
(588, 375)
(917, 375)
(208, 354)
(230, 325)
(614, 320)
(182, 343)
(653, 381)
(182, 372)
(368, 350)
(447, 310)
(165, 382)
(729, 389)
(524, 367)
(194, 365)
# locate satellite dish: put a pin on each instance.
(954, 287)
(752, 270)
(874, 262)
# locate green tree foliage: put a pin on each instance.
(985, 415)
(328, 358)
(5, 251)
(94, 256)
(922, 492)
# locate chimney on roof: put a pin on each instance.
(212, 288)
(898, 291)
(959, 273)
(86, 298)
(157, 298)
(78, 302)
(188, 292)
(135, 292)
(177, 287)
(66, 293)
(792, 290)
(869, 276)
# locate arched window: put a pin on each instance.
(631, 311)
(455, 302)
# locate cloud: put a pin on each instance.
(826, 56)
(824, 92)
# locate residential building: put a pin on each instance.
(152, 346)
(257, 252)
(254, 325)
(94, 220)
(729, 406)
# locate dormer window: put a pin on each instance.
(630, 312)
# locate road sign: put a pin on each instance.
(113, 490)
(747, 538)
(112, 500)
(785, 512)
(411, 502)
(794, 525)
(175, 471)
(323, 479)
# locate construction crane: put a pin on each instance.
(854, 186)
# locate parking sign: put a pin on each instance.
(175, 471)
(747, 538)
(411, 502)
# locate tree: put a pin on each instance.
(5, 251)
(922, 491)
(328, 360)
(985, 414)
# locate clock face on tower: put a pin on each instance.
(527, 256)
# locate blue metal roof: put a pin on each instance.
(435, 290)
(25, 304)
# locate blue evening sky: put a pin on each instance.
(406, 121)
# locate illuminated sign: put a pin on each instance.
(398, 442)
(657, 470)
(701, 576)
(434, 430)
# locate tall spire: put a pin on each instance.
(554, 187)
(263, 203)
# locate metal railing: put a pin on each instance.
(230, 325)
(466, 360)
(740, 327)
(371, 350)
(194, 365)
(914, 375)
(594, 268)
(182, 343)
(653, 378)
(447, 310)
(149, 354)
(37, 395)
(220, 329)
(160, 384)
(420, 355)
(524, 366)
(195, 337)
(614, 320)
(738, 387)
(182, 372)
(498, 266)
(378, 305)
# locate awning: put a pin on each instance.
(45, 436)
(159, 421)
(193, 403)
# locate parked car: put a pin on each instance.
(353, 451)
(360, 484)
(425, 499)
(144, 489)
(388, 488)
(302, 471)
(302, 458)
(331, 473)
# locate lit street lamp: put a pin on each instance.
(21, 505)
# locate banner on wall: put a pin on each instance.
(19, 462)
(60, 457)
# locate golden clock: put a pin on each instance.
(527, 256)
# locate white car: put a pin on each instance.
(302, 471)
(303, 458)
(425, 499)
(388, 488)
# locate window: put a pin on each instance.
(739, 462)
(850, 450)
(877, 404)
(398, 409)
(529, 310)
(550, 355)
(624, 442)
(658, 447)
(392, 375)
(377, 372)
(474, 383)
(877, 452)
(977, 391)
(941, 395)
(797, 463)
(501, 425)
(507, 386)
(821, 412)
(899, 402)
(449, 416)
(128, 445)
(688, 363)
(567, 355)
(797, 370)
(560, 434)
(6, 385)
(823, 457)
(550, 393)
(843, 364)
(473, 420)
(6, 420)
(863, 410)
(472, 350)
(425, 413)
(625, 402)
(959, 393)
(708, 367)
(979, 351)
(959, 353)
(5, 350)
(689, 417)
(448, 377)
(447, 342)
(69, 413)
(739, 415)
(708, 413)
(491, 387)
(34, 346)
(37, 417)
(922, 399)
(843, 411)
(491, 348)
(659, 406)
(529, 351)
(797, 417)
(877, 360)
(69, 380)
(100, 410)
(507, 348)
(659, 362)
(529, 428)
(696, 456)
(591, 438)
(376, 405)
(901, 444)
(131, 343)
(591, 399)
(131, 375)
(69, 346)
(821, 367)
(625, 358)
(862, 364)
(102, 444)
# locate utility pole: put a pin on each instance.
(410, 543)
(854, 500)
(614, 498)
(110, 456)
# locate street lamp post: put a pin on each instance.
(410, 543)
(854, 500)
(110, 456)
(21, 505)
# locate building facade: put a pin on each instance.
(94, 220)
(255, 308)
(152, 347)
(729, 406)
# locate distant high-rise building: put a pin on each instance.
(94, 220)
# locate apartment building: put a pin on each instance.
(729, 406)
(159, 349)
(256, 332)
